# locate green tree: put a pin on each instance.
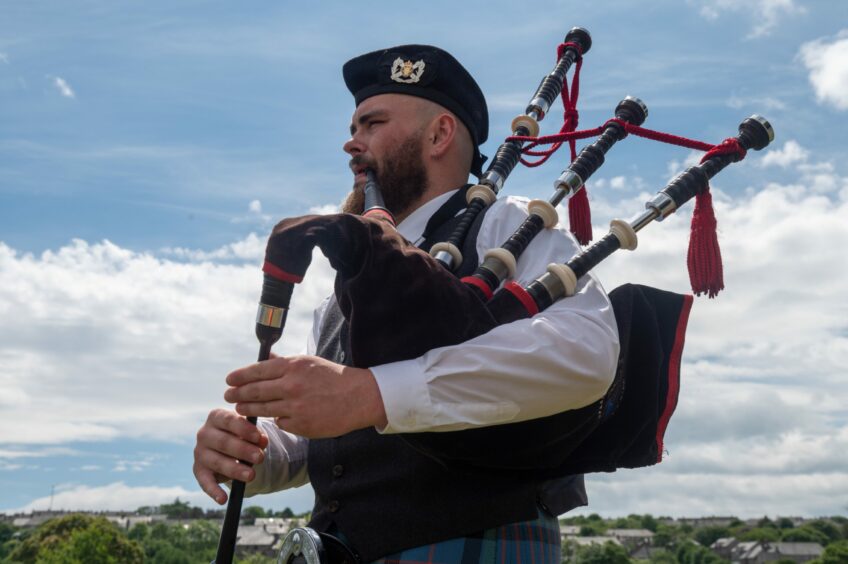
(77, 539)
(769, 534)
(592, 529)
(706, 536)
(766, 522)
(785, 523)
(253, 512)
(690, 553)
(828, 528)
(665, 535)
(662, 557)
(286, 513)
(7, 531)
(648, 522)
(834, 553)
(608, 553)
(804, 534)
(177, 510)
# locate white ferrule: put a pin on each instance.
(625, 234)
(483, 192)
(566, 276)
(448, 248)
(504, 257)
(528, 123)
(545, 210)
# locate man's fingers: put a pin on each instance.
(224, 466)
(238, 426)
(274, 408)
(263, 390)
(209, 484)
(265, 370)
(230, 446)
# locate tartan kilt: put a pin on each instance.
(527, 542)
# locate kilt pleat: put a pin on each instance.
(527, 542)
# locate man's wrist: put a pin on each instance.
(372, 411)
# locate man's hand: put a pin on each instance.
(224, 438)
(308, 396)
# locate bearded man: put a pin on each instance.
(419, 120)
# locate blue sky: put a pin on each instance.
(147, 148)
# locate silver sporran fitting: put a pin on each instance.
(302, 545)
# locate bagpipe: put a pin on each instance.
(383, 282)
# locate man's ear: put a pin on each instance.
(441, 134)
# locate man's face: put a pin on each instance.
(386, 136)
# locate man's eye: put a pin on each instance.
(375, 122)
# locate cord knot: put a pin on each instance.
(729, 146)
(572, 44)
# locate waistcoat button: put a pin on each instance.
(338, 470)
(333, 506)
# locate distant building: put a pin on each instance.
(760, 552)
(569, 531)
(254, 539)
(646, 552)
(127, 522)
(713, 521)
(274, 525)
(771, 551)
(723, 547)
(632, 538)
(587, 541)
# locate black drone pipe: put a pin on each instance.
(499, 264)
(561, 280)
(577, 43)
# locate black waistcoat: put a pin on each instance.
(385, 496)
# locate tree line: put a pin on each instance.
(190, 535)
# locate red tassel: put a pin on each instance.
(704, 257)
(579, 217)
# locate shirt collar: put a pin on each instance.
(413, 226)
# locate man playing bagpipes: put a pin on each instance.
(447, 410)
(418, 123)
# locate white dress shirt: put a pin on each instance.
(562, 358)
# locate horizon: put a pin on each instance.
(146, 153)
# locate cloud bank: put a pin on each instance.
(103, 343)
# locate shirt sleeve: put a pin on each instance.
(562, 358)
(285, 461)
(286, 454)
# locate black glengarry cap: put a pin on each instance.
(426, 72)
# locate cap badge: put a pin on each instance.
(407, 72)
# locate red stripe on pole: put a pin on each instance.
(477, 283)
(280, 274)
(526, 299)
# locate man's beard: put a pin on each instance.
(402, 178)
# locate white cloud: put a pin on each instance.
(105, 342)
(251, 248)
(766, 13)
(138, 345)
(118, 496)
(662, 491)
(255, 206)
(4, 58)
(791, 154)
(827, 61)
(760, 103)
(761, 422)
(675, 166)
(63, 87)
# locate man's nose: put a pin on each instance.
(353, 147)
